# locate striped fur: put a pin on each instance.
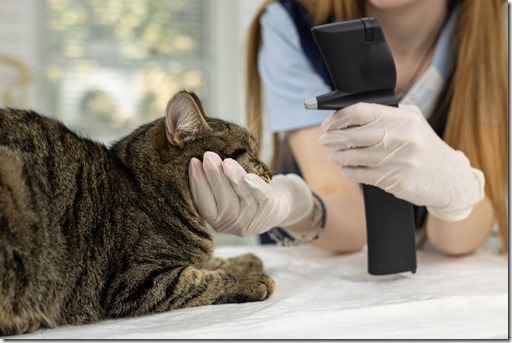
(88, 232)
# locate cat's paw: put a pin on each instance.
(257, 286)
(20, 328)
(248, 263)
(249, 287)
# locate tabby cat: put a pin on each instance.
(88, 232)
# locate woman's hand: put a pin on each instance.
(396, 149)
(233, 201)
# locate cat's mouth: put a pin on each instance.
(266, 176)
(259, 168)
(262, 171)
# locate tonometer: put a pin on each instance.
(362, 69)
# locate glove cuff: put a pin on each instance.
(463, 200)
(301, 200)
(317, 224)
(297, 216)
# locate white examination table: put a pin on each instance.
(319, 295)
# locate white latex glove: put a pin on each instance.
(396, 150)
(233, 201)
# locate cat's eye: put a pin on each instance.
(237, 153)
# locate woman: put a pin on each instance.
(454, 49)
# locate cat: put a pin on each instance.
(89, 232)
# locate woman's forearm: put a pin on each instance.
(465, 236)
(345, 225)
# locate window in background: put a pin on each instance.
(105, 67)
(112, 65)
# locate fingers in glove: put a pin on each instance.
(235, 173)
(270, 213)
(277, 204)
(370, 157)
(202, 194)
(355, 115)
(363, 175)
(378, 177)
(355, 137)
(226, 199)
(271, 207)
(260, 190)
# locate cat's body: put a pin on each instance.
(88, 233)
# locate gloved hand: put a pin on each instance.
(396, 150)
(236, 202)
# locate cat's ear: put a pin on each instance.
(184, 119)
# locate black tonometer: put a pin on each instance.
(362, 69)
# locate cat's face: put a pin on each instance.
(232, 141)
(187, 128)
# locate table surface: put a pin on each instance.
(321, 295)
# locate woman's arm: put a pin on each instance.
(464, 236)
(345, 227)
(396, 149)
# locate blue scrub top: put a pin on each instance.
(289, 79)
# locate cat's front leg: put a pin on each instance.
(162, 289)
(232, 284)
(18, 326)
(247, 270)
(250, 287)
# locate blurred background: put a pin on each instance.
(104, 67)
